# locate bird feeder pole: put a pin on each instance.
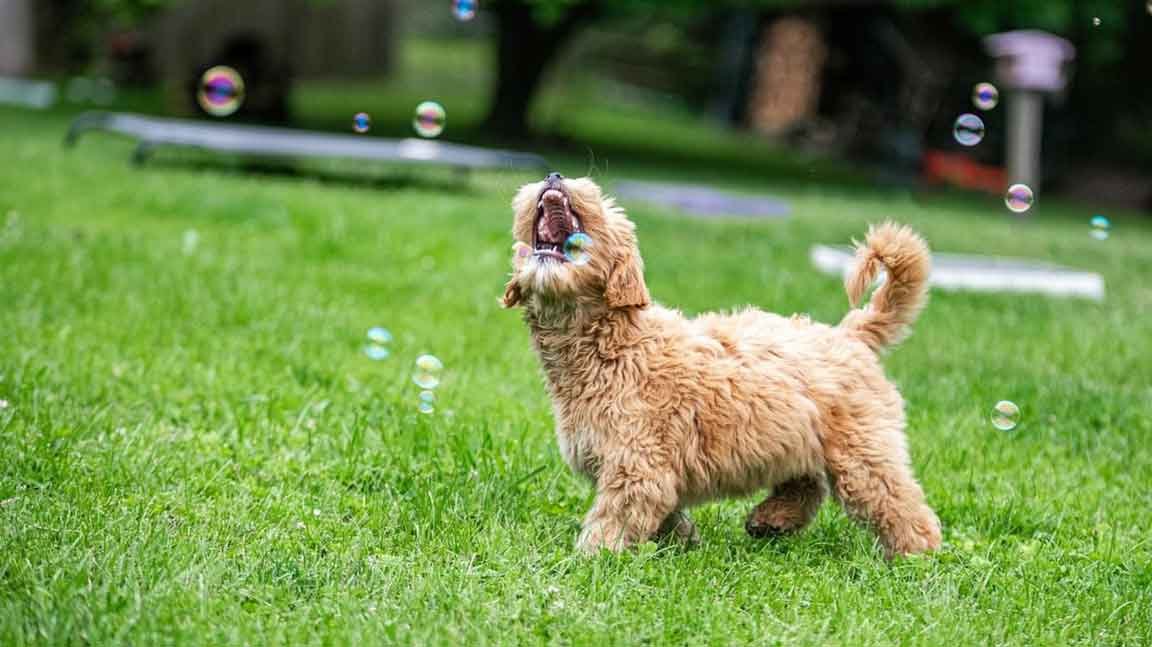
(1029, 65)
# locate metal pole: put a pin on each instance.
(1025, 121)
(17, 38)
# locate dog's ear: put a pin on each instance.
(626, 288)
(512, 294)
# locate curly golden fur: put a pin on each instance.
(663, 412)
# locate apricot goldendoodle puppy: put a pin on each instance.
(662, 412)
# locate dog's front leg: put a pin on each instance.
(632, 500)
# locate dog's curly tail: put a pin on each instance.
(897, 302)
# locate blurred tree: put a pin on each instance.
(1112, 52)
(529, 35)
(71, 33)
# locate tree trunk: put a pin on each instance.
(524, 50)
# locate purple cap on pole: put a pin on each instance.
(1030, 59)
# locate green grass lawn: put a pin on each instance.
(195, 450)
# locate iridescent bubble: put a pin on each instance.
(377, 346)
(464, 9)
(521, 252)
(1019, 198)
(985, 96)
(376, 352)
(576, 248)
(968, 129)
(1100, 227)
(430, 119)
(1005, 415)
(379, 335)
(221, 91)
(428, 369)
(427, 402)
(190, 241)
(361, 122)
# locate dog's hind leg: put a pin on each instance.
(678, 527)
(872, 479)
(792, 506)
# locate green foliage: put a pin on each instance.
(130, 12)
(126, 11)
(983, 17)
(552, 11)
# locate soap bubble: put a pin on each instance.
(428, 369)
(1019, 198)
(1100, 227)
(430, 119)
(1005, 415)
(376, 352)
(427, 402)
(377, 346)
(189, 241)
(361, 122)
(464, 9)
(221, 91)
(576, 248)
(968, 129)
(379, 335)
(985, 96)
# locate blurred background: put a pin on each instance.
(763, 89)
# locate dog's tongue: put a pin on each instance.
(553, 225)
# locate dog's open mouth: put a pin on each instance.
(555, 222)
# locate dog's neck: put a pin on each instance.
(576, 340)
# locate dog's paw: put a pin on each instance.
(919, 536)
(776, 516)
(679, 528)
(598, 536)
(764, 530)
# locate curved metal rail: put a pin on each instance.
(264, 141)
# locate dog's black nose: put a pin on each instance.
(553, 178)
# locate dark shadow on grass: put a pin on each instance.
(823, 541)
(755, 163)
(811, 546)
(385, 178)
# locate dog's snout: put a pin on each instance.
(553, 178)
